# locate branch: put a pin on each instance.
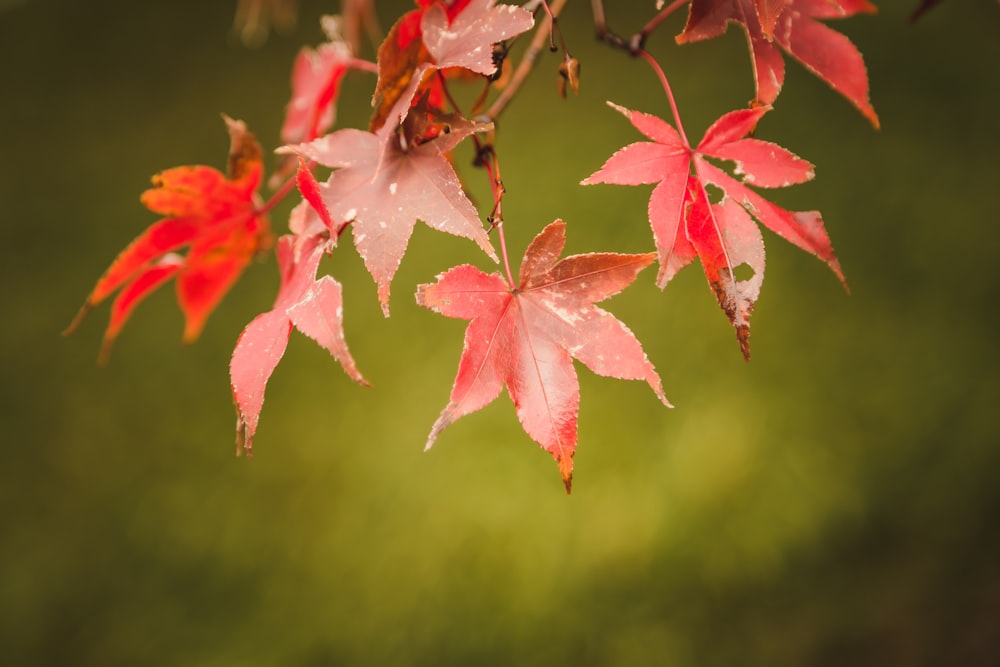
(637, 42)
(527, 63)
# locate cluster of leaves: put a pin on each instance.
(523, 334)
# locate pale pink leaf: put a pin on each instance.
(314, 307)
(258, 351)
(384, 185)
(319, 314)
(525, 338)
(805, 229)
(686, 224)
(666, 217)
(467, 41)
(316, 77)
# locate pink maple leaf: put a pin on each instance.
(792, 25)
(467, 40)
(316, 77)
(384, 183)
(314, 307)
(687, 225)
(526, 337)
(440, 37)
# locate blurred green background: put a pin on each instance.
(834, 502)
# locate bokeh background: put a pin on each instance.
(836, 501)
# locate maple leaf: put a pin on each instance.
(214, 216)
(687, 225)
(467, 38)
(441, 37)
(384, 183)
(793, 26)
(526, 337)
(316, 77)
(314, 307)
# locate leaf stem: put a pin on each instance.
(276, 198)
(637, 42)
(486, 157)
(363, 65)
(658, 19)
(555, 29)
(447, 93)
(670, 93)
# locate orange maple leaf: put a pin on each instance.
(215, 216)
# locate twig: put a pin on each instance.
(637, 42)
(527, 63)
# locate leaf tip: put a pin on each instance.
(620, 109)
(244, 435)
(657, 386)
(383, 298)
(442, 422)
(743, 335)
(192, 329)
(565, 463)
(245, 154)
(77, 319)
(834, 265)
(104, 355)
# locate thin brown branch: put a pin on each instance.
(637, 42)
(528, 60)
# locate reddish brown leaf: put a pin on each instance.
(214, 216)
(525, 337)
(794, 26)
(399, 56)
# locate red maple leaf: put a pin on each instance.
(792, 25)
(316, 77)
(441, 37)
(385, 181)
(466, 38)
(314, 307)
(215, 217)
(526, 337)
(686, 224)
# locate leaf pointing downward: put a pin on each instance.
(687, 225)
(384, 184)
(214, 216)
(525, 338)
(795, 27)
(314, 307)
